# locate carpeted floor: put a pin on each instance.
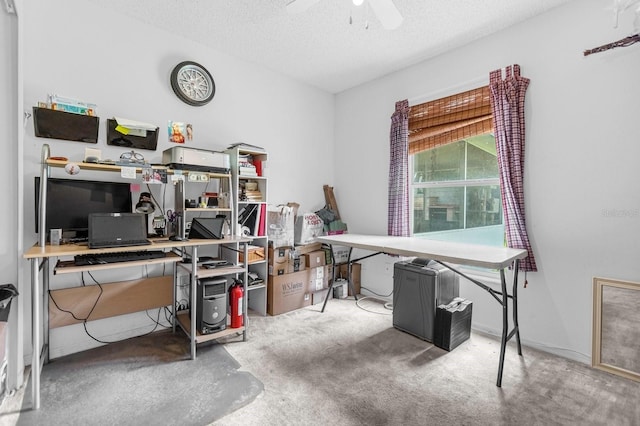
(145, 380)
(346, 366)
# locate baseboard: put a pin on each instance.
(561, 352)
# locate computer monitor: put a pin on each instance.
(70, 201)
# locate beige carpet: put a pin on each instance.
(348, 366)
(144, 380)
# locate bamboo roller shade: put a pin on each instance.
(450, 119)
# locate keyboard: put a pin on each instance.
(120, 243)
(121, 256)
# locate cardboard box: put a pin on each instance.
(296, 264)
(315, 259)
(277, 269)
(340, 253)
(307, 248)
(318, 278)
(319, 296)
(278, 260)
(284, 261)
(356, 270)
(287, 292)
(278, 255)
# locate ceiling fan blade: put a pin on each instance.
(387, 13)
(297, 6)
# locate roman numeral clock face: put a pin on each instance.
(192, 83)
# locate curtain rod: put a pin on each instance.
(627, 41)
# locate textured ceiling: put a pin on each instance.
(319, 46)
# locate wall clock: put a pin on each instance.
(192, 83)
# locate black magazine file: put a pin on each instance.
(116, 138)
(208, 228)
(53, 124)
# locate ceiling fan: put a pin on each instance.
(385, 10)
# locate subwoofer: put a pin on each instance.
(211, 305)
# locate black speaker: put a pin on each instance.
(211, 305)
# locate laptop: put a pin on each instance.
(117, 230)
(207, 228)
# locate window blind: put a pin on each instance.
(450, 119)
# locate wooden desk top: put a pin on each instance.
(38, 251)
(444, 251)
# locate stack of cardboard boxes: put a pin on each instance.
(298, 277)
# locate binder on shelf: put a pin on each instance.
(248, 218)
(263, 220)
(260, 218)
(258, 165)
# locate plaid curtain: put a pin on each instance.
(507, 104)
(398, 210)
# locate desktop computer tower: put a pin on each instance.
(418, 288)
(211, 305)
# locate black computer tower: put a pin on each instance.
(211, 305)
(418, 287)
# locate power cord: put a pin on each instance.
(155, 327)
(379, 295)
(95, 303)
(387, 306)
(156, 201)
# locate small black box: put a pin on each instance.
(453, 325)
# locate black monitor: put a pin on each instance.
(69, 202)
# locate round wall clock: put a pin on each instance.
(192, 83)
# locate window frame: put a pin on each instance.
(413, 186)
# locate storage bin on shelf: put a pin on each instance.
(255, 254)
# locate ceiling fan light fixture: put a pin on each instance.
(358, 2)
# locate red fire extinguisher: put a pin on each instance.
(237, 299)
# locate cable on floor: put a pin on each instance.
(387, 306)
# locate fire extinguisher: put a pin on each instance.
(237, 299)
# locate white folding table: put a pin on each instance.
(445, 253)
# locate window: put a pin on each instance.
(456, 192)
(455, 187)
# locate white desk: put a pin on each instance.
(40, 255)
(447, 252)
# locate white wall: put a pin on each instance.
(123, 66)
(581, 142)
(582, 146)
(10, 244)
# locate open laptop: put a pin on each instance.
(117, 230)
(207, 228)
